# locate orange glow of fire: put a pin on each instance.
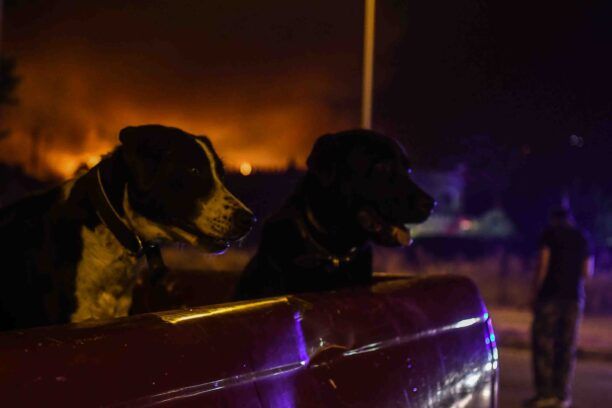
(68, 116)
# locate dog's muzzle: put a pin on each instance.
(242, 223)
(382, 232)
(392, 233)
(423, 208)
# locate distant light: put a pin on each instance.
(526, 150)
(465, 225)
(576, 141)
(245, 168)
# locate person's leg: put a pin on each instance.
(545, 319)
(565, 350)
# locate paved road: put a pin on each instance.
(592, 387)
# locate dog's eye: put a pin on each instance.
(195, 171)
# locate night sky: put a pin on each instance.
(264, 79)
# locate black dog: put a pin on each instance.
(357, 189)
(68, 254)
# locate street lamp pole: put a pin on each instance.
(368, 64)
(1, 21)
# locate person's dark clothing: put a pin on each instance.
(569, 247)
(558, 311)
(554, 331)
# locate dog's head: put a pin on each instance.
(370, 173)
(175, 189)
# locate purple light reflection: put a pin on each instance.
(299, 334)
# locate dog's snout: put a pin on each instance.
(243, 220)
(426, 204)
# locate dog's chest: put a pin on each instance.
(105, 277)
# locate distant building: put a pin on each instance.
(447, 187)
(448, 219)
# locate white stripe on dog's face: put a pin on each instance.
(212, 214)
(216, 211)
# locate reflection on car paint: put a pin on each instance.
(183, 316)
(397, 341)
(417, 343)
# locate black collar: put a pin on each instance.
(128, 238)
(109, 216)
(308, 222)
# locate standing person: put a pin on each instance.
(565, 262)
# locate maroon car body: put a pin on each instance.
(418, 342)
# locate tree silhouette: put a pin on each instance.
(8, 85)
(8, 81)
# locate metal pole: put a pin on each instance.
(1, 26)
(368, 64)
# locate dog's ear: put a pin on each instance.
(322, 161)
(144, 150)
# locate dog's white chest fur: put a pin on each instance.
(105, 277)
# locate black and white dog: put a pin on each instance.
(68, 254)
(357, 189)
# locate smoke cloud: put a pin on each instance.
(261, 87)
